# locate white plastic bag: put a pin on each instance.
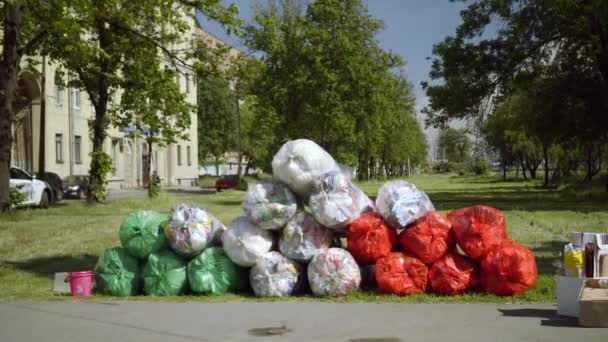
(303, 237)
(269, 204)
(275, 276)
(299, 162)
(333, 272)
(191, 229)
(245, 243)
(337, 201)
(401, 203)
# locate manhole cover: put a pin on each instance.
(269, 331)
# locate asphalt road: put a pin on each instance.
(285, 321)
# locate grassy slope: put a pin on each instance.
(34, 244)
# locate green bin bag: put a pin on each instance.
(117, 273)
(165, 274)
(213, 272)
(141, 233)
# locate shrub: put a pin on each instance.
(481, 167)
(242, 185)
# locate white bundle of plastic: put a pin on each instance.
(191, 229)
(333, 272)
(275, 276)
(303, 237)
(269, 204)
(337, 201)
(299, 162)
(245, 243)
(401, 203)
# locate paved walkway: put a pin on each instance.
(285, 321)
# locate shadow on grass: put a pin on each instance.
(48, 266)
(528, 200)
(549, 317)
(235, 202)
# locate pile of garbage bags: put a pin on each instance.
(312, 230)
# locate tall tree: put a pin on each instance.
(97, 45)
(455, 145)
(26, 25)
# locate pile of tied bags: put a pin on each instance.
(292, 235)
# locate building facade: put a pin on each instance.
(67, 141)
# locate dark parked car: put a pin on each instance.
(75, 186)
(226, 182)
(56, 184)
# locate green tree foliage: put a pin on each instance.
(454, 145)
(326, 79)
(25, 28)
(552, 55)
(216, 118)
(103, 43)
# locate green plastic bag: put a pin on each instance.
(141, 233)
(165, 274)
(117, 273)
(213, 272)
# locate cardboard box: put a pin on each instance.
(593, 303)
(568, 291)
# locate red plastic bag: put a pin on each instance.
(370, 238)
(429, 238)
(508, 269)
(477, 229)
(453, 274)
(400, 274)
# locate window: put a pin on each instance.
(188, 155)
(114, 156)
(188, 86)
(77, 149)
(19, 174)
(179, 155)
(59, 148)
(75, 98)
(58, 94)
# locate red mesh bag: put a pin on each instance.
(401, 275)
(508, 269)
(453, 274)
(477, 229)
(370, 238)
(429, 238)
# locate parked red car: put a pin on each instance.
(226, 182)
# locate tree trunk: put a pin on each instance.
(97, 178)
(546, 158)
(589, 162)
(9, 73)
(239, 168)
(42, 134)
(522, 163)
(216, 161)
(152, 175)
(248, 166)
(504, 172)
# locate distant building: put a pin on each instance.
(67, 139)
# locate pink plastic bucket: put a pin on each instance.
(80, 283)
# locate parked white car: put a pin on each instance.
(38, 193)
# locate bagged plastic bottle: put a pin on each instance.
(336, 201)
(141, 233)
(245, 243)
(165, 274)
(191, 229)
(303, 237)
(299, 162)
(428, 238)
(401, 275)
(333, 272)
(453, 274)
(401, 203)
(117, 273)
(213, 272)
(275, 276)
(477, 229)
(370, 238)
(269, 204)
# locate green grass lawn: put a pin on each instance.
(34, 244)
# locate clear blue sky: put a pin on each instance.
(411, 29)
